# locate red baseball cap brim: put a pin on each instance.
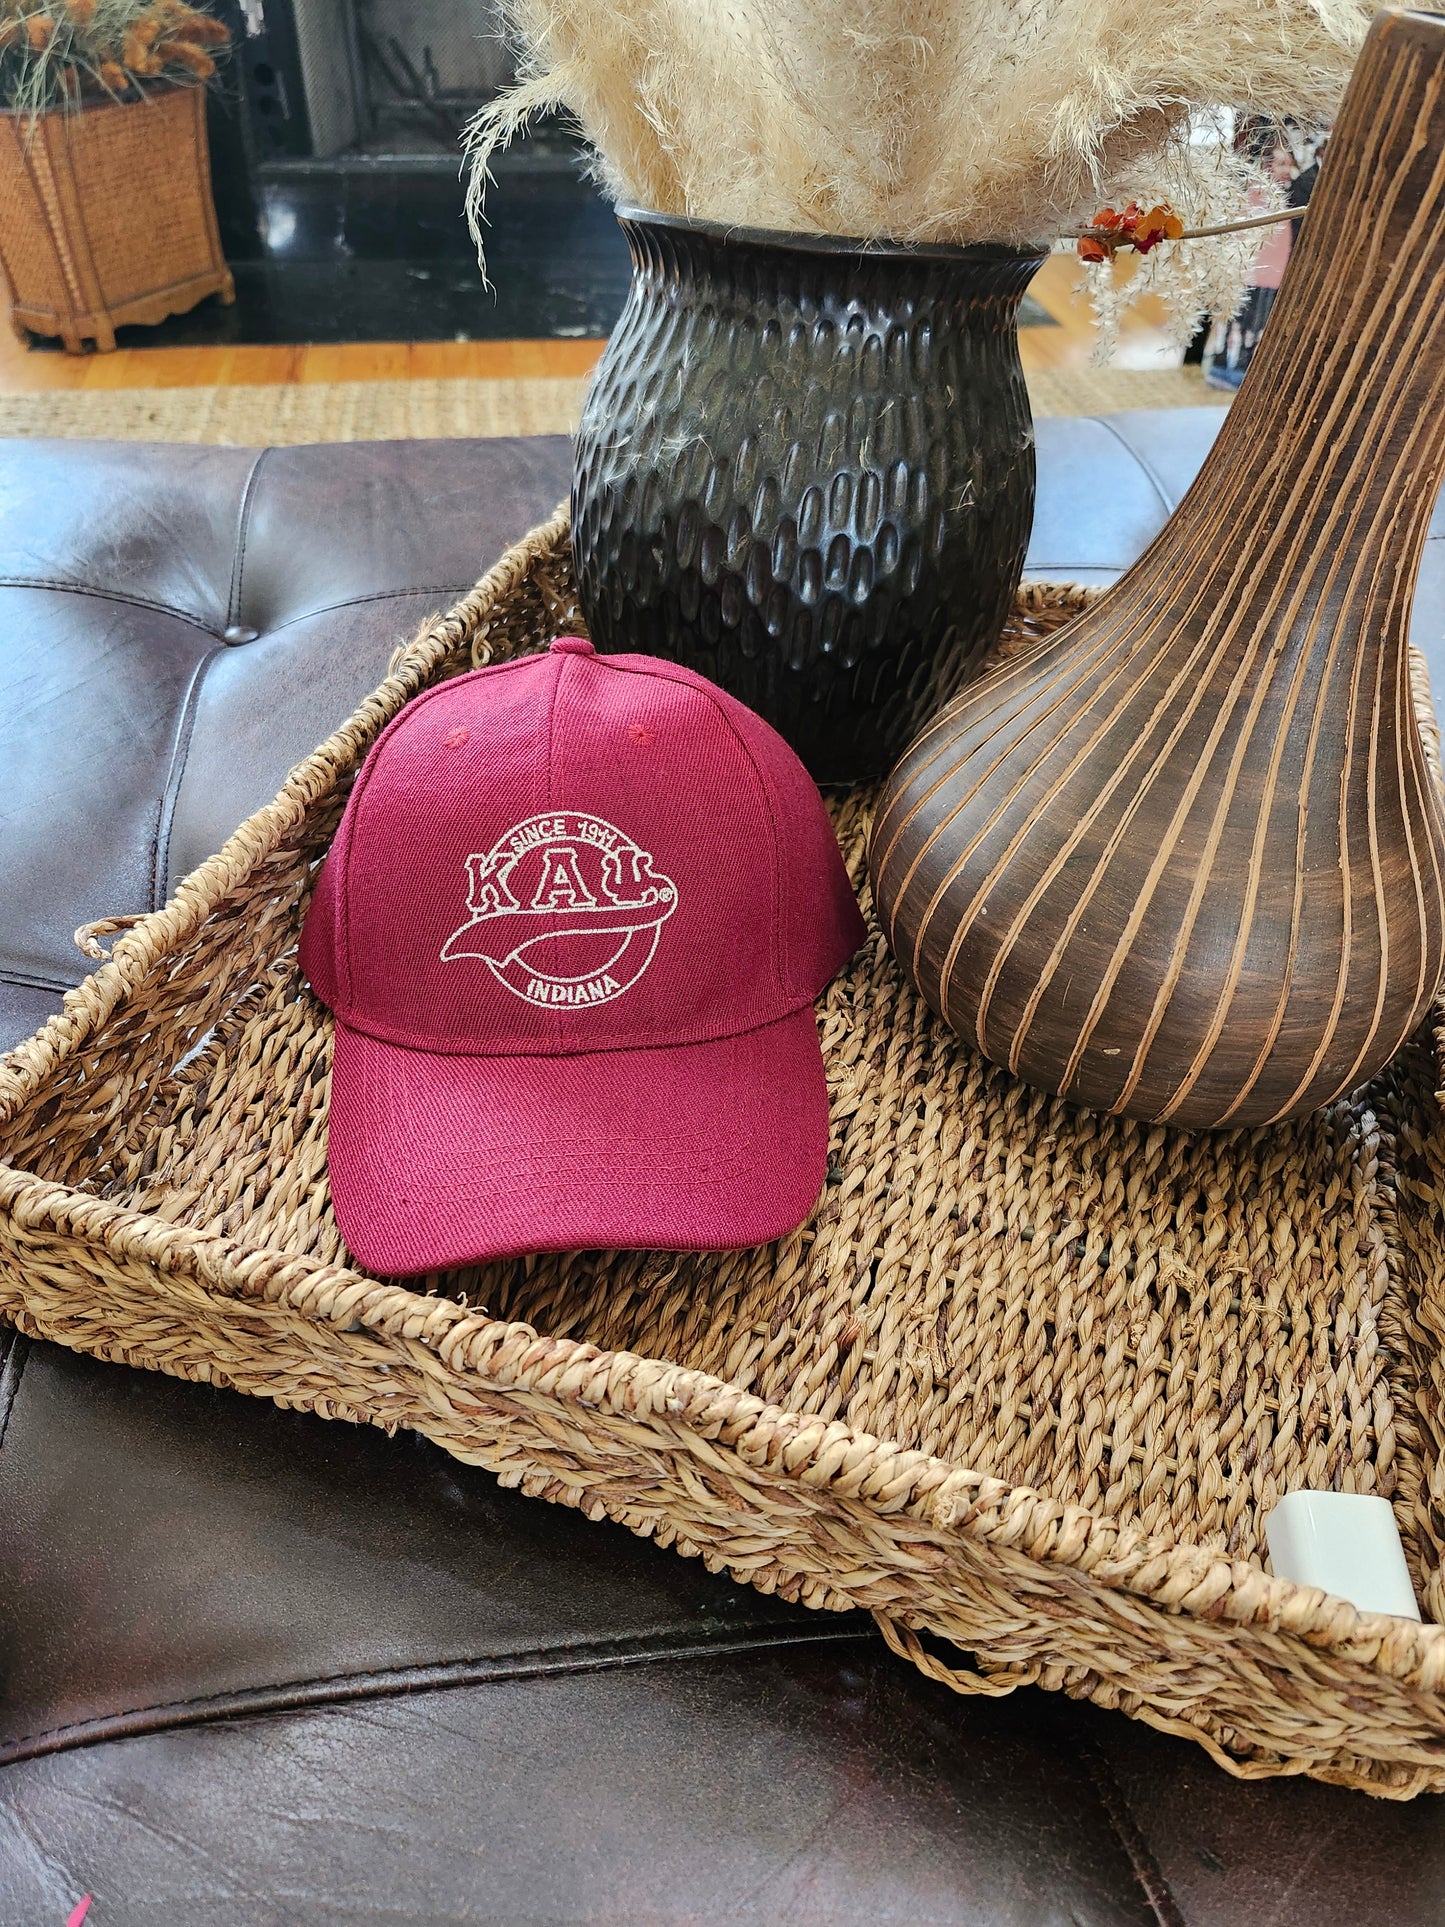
(440, 1160)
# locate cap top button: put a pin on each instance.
(572, 646)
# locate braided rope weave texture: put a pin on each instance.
(1025, 1386)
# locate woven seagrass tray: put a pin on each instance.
(1026, 1385)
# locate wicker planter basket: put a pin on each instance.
(1028, 1382)
(106, 216)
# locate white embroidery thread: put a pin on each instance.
(570, 876)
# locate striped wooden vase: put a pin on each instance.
(1184, 860)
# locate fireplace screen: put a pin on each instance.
(426, 66)
(368, 77)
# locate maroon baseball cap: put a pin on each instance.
(572, 928)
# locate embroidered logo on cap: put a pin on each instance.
(565, 909)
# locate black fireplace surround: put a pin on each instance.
(335, 146)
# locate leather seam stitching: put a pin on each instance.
(1148, 1874)
(171, 788)
(1146, 468)
(584, 1656)
(23, 981)
(109, 595)
(452, 589)
(94, 590)
(243, 529)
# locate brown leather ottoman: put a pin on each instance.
(256, 1667)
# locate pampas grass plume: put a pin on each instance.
(925, 120)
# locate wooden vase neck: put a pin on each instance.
(1312, 514)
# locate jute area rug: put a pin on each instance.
(264, 415)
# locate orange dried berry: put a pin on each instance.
(200, 29)
(183, 54)
(1161, 223)
(1092, 249)
(82, 12)
(114, 76)
(137, 56)
(136, 52)
(39, 31)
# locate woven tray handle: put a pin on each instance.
(995, 1683)
(88, 937)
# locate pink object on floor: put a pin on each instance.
(572, 927)
(78, 1912)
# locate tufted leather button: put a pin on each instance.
(239, 633)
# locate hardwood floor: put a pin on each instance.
(1143, 339)
(24, 371)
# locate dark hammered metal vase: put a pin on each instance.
(806, 470)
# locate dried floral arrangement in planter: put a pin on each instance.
(54, 53)
(932, 120)
(105, 178)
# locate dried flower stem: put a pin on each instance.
(1201, 233)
